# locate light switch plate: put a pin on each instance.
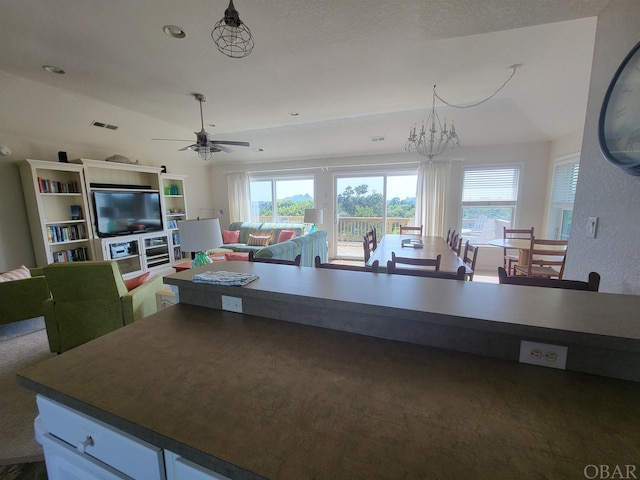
(592, 226)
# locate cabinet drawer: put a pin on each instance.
(179, 468)
(132, 456)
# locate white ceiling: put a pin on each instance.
(352, 69)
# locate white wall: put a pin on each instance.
(604, 191)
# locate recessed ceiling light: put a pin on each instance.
(174, 31)
(52, 69)
(294, 114)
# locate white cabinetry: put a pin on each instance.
(58, 211)
(78, 446)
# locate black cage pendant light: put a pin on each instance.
(232, 37)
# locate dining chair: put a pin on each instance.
(546, 259)
(448, 235)
(277, 261)
(469, 257)
(510, 259)
(454, 241)
(419, 272)
(592, 285)
(416, 262)
(411, 230)
(457, 248)
(354, 268)
(369, 244)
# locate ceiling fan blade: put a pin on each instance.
(223, 149)
(190, 147)
(172, 140)
(229, 142)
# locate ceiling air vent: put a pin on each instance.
(378, 138)
(104, 125)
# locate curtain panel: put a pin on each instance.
(239, 197)
(431, 194)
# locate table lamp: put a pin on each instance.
(198, 236)
(313, 216)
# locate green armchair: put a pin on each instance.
(90, 299)
(22, 299)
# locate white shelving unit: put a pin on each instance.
(175, 204)
(58, 211)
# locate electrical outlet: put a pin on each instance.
(543, 354)
(232, 304)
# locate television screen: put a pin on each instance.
(124, 213)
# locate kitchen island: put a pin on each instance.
(250, 397)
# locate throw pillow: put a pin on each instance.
(258, 240)
(134, 282)
(286, 235)
(230, 236)
(16, 274)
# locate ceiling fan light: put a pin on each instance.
(205, 153)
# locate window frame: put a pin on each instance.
(511, 203)
(557, 218)
(273, 179)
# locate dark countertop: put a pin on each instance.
(250, 396)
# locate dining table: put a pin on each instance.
(523, 245)
(432, 246)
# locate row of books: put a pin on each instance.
(53, 186)
(175, 237)
(172, 224)
(79, 254)
(66, 233)
(177, 254)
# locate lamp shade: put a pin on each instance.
(313, 215)
(199, 235)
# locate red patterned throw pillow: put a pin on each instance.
(258, 240)
(230, 236)
(286, 235)
(134, 282)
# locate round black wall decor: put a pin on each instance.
(619, 125)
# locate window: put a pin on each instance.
(565, 179)
(281, 200)
(489, 197)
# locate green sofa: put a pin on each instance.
(22, 299)
(308, 246)
(90, 299)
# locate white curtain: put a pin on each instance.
(431, 194)
(239, 197)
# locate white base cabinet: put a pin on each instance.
(79, 447)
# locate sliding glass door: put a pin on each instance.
(383, 201)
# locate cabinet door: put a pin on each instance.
(179, 468)
(66, 463)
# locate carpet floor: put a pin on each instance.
(17, 404)
(24, 471)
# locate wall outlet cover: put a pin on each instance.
(543, 354)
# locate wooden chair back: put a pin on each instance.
(448, 235)
(469, 257)
(592, 285)
(546, 258)
(510, 259)
(369, 244)
(354, 268)
(277, 261)
(416, 262)
(453, 238)
(419, 272)
(404, 230)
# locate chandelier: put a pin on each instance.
(232, 37)
(434, 138)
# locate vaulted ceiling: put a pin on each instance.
(351, 70)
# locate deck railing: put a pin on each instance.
(352, 229)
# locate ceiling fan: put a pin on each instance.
(204, 145)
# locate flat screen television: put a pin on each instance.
(126, 213)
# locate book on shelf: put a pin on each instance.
(79, 254)
(53, 186)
